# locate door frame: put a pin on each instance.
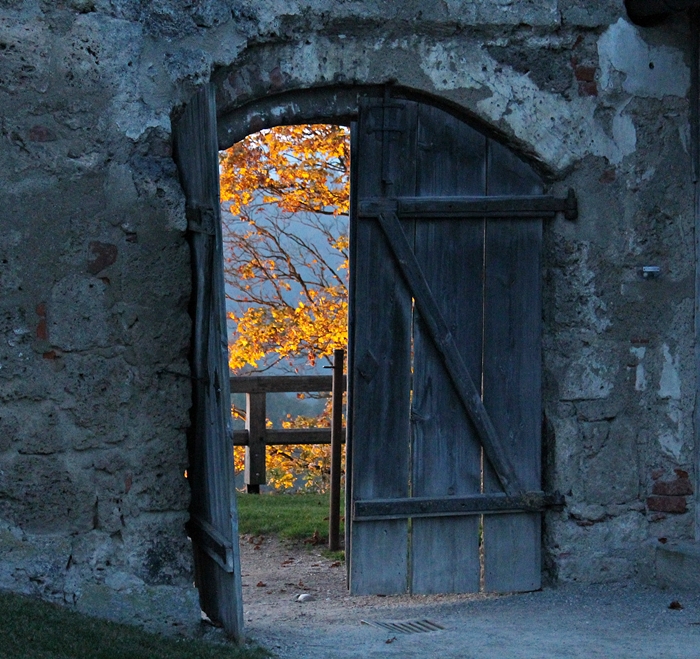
(336, 105)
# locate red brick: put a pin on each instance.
(587, 89)
(160, 149)
(608, 176)
(101, 256)
(42, 330)
(41, 134)
(662, 504)
(276, 78)
(585, 73)
(639, 341)
(676, 488)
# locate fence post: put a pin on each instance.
(255, 423)
(336, 448)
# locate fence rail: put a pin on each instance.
(257, 436)
(287, 436)
(269, 384)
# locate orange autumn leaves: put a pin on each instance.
(298, 168)
(312, 328)
(288, 466)
(286, 260)
(286, 267)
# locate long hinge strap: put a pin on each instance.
(464, 208)
(472, 504)
(201, 219)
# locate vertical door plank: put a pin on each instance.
(446, 451)
(211, 461)
(450, 155)
(380, 372)
(512, 373)
(349, 416)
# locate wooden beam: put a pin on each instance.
(336, 449)
(287, 436)
(210, 541)
(436, 208)
(474, 504)
(452, 359)
(256, 421)
(258, 384)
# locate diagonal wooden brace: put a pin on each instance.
(452, 359)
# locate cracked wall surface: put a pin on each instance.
(94, 267)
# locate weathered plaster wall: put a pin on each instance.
(94, 273)
(602, 108)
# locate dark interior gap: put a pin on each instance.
(411, 438)
(482, 484)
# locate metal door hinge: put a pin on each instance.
(450, 506)
(201, 219)
(505, 207)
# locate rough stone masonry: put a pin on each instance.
(94, 266)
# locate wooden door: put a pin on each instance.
(213, 525)
(445, 364)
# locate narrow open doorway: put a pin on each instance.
(285, 207)
(285, 198)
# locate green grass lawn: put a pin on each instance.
(288, 516)
(32, 629)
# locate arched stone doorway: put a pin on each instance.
(446, 229)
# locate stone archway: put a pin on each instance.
(340, 104)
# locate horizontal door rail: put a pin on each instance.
(286, 437)
(524, 207)
(211, 541)
(268, 384)
(474, 504)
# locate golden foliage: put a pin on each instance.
(286, 266)
(299, 168)
(287, 248)
(287, 466)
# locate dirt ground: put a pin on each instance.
(572, 621)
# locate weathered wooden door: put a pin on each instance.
(445, 366)
(213, 525)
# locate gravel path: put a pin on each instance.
(591, 622)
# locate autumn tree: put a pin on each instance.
(286, 263)
(287, 190)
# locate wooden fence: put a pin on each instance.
(257, 436)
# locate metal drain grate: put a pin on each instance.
(405, 626)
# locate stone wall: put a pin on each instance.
(94, 269)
